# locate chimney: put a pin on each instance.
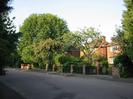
(103, 39)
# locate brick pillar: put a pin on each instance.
(84, 71)
(71, 69)
(53, 67)
(115, 72)
(46, 67)
(97, 67)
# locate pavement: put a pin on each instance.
(102, 77)
(49, 85)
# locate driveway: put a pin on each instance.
(35, 85)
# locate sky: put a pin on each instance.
(104, 15)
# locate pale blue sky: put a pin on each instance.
(104, 15)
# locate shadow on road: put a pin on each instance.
(8, 93)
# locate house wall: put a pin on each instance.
(112, 52)
(74, 52)
(110, 56)
(101, 51)
(107, 50)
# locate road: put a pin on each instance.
(35, 85)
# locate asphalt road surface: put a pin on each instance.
(35, 85)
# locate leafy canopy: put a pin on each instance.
(41, 37)
(87, 40)
(127, 25)
(8, 35)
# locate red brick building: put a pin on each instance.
(104, 49)
(101, 50)
(74, 51)
(108, 50)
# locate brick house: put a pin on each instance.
(104, 49)
(73, 51)
(113, 50)
(108, 50)
(101, 49)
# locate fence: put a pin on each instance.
(79, 69)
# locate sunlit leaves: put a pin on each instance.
(127, 25)
(88, 39)
(43, 34)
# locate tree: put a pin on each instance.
(69, 40)
(87, 40)
(124, 64)
(4, 7)
(120, 40)
(124, 38)
(127, 26)
(41, 38)
(8, 36)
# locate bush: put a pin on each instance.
(57, 60)
(85, 61)
(68, 59)
(66, 67)
(105, 66)
(124, 64)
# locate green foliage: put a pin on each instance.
(82, 39)
(57, 59)
(87, 40)
(124, 64)
(8, 35)
(4, 7)
(14, 60)
(42, 38)
(120, 40)
(127, 25)
(124, 38)
(103, 62)
(70, 40)
(85, 61)
(68, 59)
(105, 67)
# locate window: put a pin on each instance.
(113, 48)
(111, 60)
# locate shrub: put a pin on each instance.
(103, 64)
(57, 59)
(66, 67)
(85, 61)
(68, 59)
(124, 64)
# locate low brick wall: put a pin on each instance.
(115, 72)
(26, 66)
